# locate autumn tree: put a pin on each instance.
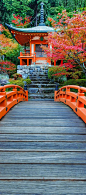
(21, 22)
(69, 40)
(7, 47)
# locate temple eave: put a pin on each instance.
(38, 29)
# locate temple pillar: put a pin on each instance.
(27, 61)
(21, 61)
(32, 53)
(32, 49)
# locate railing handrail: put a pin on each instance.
(73, 86)
(10, 98)
(76, 100)
(11, 86)
(26, 54)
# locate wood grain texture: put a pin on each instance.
(42, 150)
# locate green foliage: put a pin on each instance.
(57, 74)
(32, 8)
(4, 13)
(28, 81)
(17, 82)
(79, 82)
(13, 55)
(19, 7)
(20, 81)
(51, 71)
(9, 47)
(60, 73)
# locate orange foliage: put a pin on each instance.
(6, 42)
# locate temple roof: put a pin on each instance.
(24, 35)
(37, 29)
(42, 28)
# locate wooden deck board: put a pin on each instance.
(58, 146)
(43, 157)
(42, 150)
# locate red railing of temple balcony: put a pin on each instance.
(28, 57)
(76, 100)
(24, 54)
(9, 98)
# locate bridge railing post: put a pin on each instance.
(26, 95)
(55, 92)
(80, 93)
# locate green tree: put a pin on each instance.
(31, 8)
(4, 13)
(18, 7)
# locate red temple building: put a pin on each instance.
(32, 39)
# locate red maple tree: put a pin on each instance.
(68, 41)
(20, 22)
(6, 44)
(7, 67)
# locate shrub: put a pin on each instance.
(51, 71)
(79, 82)
(7, 67)
(57, 74)
(27, 80)
(17, 76)
(20, 81)
(17, 82)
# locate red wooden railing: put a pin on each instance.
(76, 100)
(10, 98)
(27, 56)
(23, 54)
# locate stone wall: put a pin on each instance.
(25, 70)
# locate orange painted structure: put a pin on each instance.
(9, 99)
(32, 39)
(32, 42)
(76, 100)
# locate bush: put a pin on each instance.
(12, 54)
(28, 81)
(51, 71)
(20, 81)
(60, 77)
(7, 67)
(79, 82)
(17, 76)
(17, 82)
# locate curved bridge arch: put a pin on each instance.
(76, 100)
(9, 98)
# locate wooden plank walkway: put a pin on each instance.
(42, 150)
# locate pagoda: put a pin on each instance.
(32, 39)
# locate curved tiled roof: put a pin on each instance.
(37, 29)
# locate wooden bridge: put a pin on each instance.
(42, 146)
